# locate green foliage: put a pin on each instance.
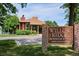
(19, 32)
(71, 12)
(27, 32)
(55, 24)
(77, 20)
(28, 26)
(23, 32)
(7, 43)
(6, 9)
(50, 23)
(23, 5)
(77, 16)
(10, 23)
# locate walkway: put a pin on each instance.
(23, 40)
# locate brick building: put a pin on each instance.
(33, 24)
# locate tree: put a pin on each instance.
(50, 23)
(73, 18)
(10, 23)
(5, 9)
(77, 20)
(71, 8)
(23, 5)
(8, 9)
(77, 16)
(55, 23)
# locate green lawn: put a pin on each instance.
(9, 48)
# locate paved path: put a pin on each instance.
(22, 40)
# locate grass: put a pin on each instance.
(9, 48)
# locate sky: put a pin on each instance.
(44, 11)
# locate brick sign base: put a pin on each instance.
(60, 34)
(65, 35)
(76, 37)
(44, 38)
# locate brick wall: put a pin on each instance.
(76, 37)
(66, 35)
(44, 38)
(58, 34)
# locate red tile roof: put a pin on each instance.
(33, 21)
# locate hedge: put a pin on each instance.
(23, 32)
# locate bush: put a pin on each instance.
(19, 32)
(23, 32)
(27, 32)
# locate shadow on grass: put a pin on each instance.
(9, 48)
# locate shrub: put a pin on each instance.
(18, 32)
(27, 32)
(23, 32)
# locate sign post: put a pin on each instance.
(76, 37)
(44, 38)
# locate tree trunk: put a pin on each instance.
(8, 31)
(72, 18)
(71, 14)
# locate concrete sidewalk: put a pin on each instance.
(21, 37)
(23, 40)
